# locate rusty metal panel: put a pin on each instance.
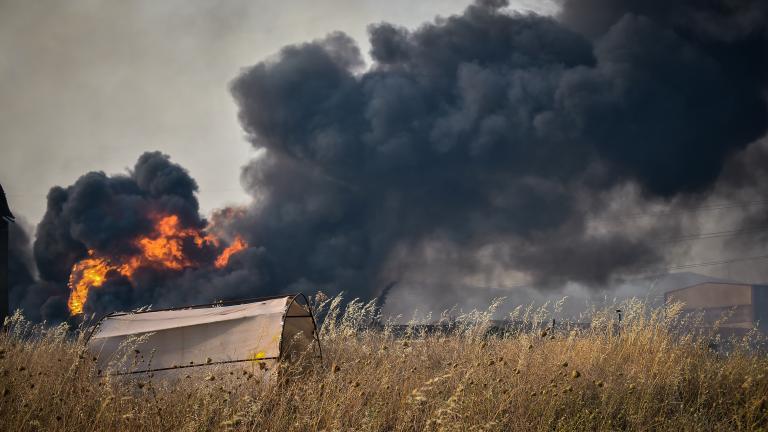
(732, 316)
(760, 306)
(712, 295)
(729, 305)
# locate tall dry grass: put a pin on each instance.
(640, 375)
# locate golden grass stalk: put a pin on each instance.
(645, 375)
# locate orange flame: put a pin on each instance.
(86, 274)
(236, 246)
(162, 249)
(166, 249)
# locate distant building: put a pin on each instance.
(6, 217)
(738, 307)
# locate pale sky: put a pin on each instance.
(91, 84)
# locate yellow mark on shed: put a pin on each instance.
(258, 356)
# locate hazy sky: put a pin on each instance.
(91, 84)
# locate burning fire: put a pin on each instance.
(162, 249)
(86, 274)
(236, 246)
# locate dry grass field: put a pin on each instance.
(641, 375)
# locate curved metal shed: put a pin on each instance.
(259, 332)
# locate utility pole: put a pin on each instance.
(6, 217)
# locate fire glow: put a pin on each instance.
(236, 246)
(163, 249)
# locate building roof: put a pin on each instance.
(708, 283)
(151, 321)
(5, 211)
(252, 331)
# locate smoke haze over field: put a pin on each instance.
(489, 145)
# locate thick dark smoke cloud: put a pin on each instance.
(483, 138)
(20, 268)
(106, 214)
(491, 127)
(690, 78)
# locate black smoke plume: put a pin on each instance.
(489, 138)
(106, 214)
(494, 128)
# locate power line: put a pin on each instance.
(715, 234)
(714, 263)
(703, 208)
(523, 284)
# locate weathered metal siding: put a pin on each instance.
(3, 270)
(252, 335)
(760, 306)
(730, 304)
